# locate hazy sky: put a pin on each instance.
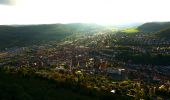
(84, 11)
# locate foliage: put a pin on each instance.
(34, 84)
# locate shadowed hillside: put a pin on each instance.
(11, 36)
(153, 26)
(165, 33)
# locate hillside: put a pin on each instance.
(12, 36)
(165, 33)
(153, 26)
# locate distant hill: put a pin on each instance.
(153, 26)
(23, 35)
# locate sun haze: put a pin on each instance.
(83, 11)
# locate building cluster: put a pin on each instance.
(95, 55)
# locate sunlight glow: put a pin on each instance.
(84, 11)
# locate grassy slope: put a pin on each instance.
(130, 30)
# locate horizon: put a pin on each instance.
(130, 24)
(104, 12)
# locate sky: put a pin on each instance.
(83, 11)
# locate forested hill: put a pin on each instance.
(153, 26)
(23, 35)
(165, 33)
